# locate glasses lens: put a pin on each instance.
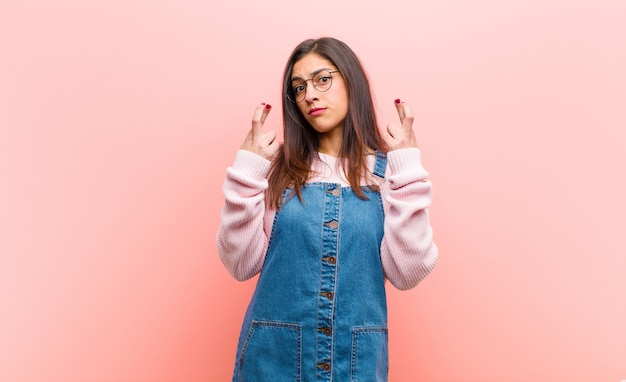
(322, 81)
(297, 91)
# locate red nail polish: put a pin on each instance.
(262, 103)
(268, 106)
(398, 100)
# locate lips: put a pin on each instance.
(316, 111)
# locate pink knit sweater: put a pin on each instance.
(408, 252)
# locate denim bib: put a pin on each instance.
(319, 310)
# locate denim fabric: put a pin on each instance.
(319, 310)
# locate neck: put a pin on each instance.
(330, 143)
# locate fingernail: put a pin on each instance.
(398, 100)
(268, 106)
(262, 103)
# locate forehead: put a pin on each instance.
(309, 64)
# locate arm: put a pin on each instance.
(408, 252)
(241, 237)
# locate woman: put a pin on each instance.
(325, 218)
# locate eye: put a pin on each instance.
(298, 88)
(323, 79)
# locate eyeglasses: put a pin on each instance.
(321, 81)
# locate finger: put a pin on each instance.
(388, 139)
(400, 108)
(273, 148)
(407, 121)
(268, 138)
(258, 118)
(392, 130)
(266, 111)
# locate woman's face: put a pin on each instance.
(324, 110)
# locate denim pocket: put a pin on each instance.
(369, 360)
(271, 352)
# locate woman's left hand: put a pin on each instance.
(401, 137)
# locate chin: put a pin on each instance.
(322, 130)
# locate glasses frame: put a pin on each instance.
(291, 96)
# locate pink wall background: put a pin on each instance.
(118, 119)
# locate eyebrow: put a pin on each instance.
(312, 74)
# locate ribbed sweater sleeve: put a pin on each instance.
(408, 252)
(241, 236)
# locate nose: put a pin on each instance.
(310, 93)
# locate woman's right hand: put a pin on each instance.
(258, 142)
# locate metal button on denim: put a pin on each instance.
(329, 295)
(330, 259)
(324, 366)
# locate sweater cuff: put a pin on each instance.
(408, 160)
(251, 164)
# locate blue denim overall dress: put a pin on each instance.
(319, 310)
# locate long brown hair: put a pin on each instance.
(292, 164)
